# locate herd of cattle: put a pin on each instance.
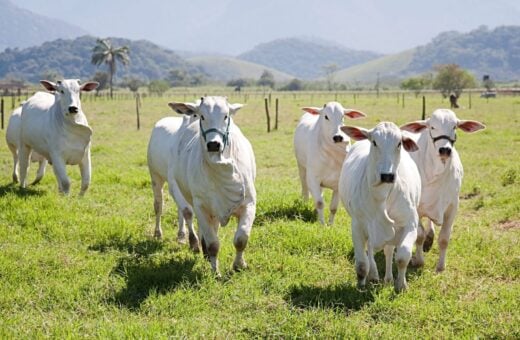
(388, 180)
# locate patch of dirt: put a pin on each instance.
(509, 225)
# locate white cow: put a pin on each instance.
(380, 187)
(441, 175)
(55, 126)
(164, 135)
(12, 137)
(214, 169)
(320, 147)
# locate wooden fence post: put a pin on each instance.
(137, 105)
(276, 115)
(2, 112)
(423, 108)
(267, 114)
(12, 101)
(403, 100)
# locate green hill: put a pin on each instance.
(71, 59)
(304, 58)
(391, 68)
(482, 51)
(227, 68)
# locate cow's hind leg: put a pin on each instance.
(14, 152)
(157, 186)
(24, 155)
(303, 179)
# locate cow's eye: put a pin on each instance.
(225, 117)
(62, 92)
(374, 142)
(399, 145)
(432, 128)
(326, 117)
(202, 117)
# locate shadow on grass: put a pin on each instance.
(344, 297)
(137, 248)
(297, 210)
(145, 277)
(15, 189)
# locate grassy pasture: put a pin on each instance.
(90, 267)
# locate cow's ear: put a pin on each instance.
(312, 110)
(49, 86)
(91, 85)
(356, 133)
(470, 125)
(354, 114)
(409, 144)
(415, 127)
(184, 108)
(233, 108)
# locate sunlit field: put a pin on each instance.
(90, 267)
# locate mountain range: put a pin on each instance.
(482, 51)
(22, 28)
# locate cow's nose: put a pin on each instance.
(213, 146)
(387, 178)
(445, 152)
(337, 138)
(73, 109)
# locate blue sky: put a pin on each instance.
(234, 26)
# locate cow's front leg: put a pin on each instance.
(362, 263)
(208, 226)
(41, 171)
(403, 256)
(389, 258)
(245, 223)
(444, 237)
(58, 165)
(85, 170)
(333, 206)
(316, 193)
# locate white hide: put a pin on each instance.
(165, 134)
(217, 184)
(12, 137)
(384, 214)
(320, 148)
(441, 175)
(55, 126)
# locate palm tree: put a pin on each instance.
(104, 52)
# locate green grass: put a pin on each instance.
(90, 267)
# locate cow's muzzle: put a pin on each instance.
(213, 146)
(73, 109)
(445, 152)
(388, 178)
(337, 138)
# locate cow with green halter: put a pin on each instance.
(211, 172)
